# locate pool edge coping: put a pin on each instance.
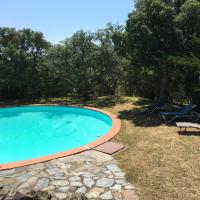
(116, 125)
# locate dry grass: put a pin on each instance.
(162, 164)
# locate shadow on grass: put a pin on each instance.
(146, 103)
(139, 118)
(106, 101)
(143, 102)
(101, 102)
(189, 133)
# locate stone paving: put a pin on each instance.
(92, 173)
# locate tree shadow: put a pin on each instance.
(106, 101)
(139, 118)
(63, 101)
(189, 133)
(101, 102)
(142, 102)
(147, 103)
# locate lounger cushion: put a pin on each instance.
(170, 113)
(187, 125)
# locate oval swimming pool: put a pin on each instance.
(31, 134)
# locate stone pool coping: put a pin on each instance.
(116, 125)
(94, 174)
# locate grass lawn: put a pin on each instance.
(162, 164)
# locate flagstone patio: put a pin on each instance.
(92, 173)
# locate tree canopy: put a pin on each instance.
(163, 41)
(157, 54)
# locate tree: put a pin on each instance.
(152, 38)
(156, 55)
(109, 66)
(57, 75)
(81, 47)
(162, 34)
(20, 55)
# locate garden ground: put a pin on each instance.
(161, 163)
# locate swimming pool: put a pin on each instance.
(31, 134)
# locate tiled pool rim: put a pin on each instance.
(116, 125)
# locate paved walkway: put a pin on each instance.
(92, 173)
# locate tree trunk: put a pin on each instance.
(164, 82)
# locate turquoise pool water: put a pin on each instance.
(34, 131)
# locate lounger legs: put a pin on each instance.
(185, 129)
(152, 111)
(172, 119)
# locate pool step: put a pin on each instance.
(110, 148)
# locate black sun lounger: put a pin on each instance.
(162, 102)
(187, 112)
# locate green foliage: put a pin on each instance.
(85, 63)
(157, 54)
(163, 41)
(21, 55)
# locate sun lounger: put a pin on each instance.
(187, 112)
(162, 102)
(186, 125)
